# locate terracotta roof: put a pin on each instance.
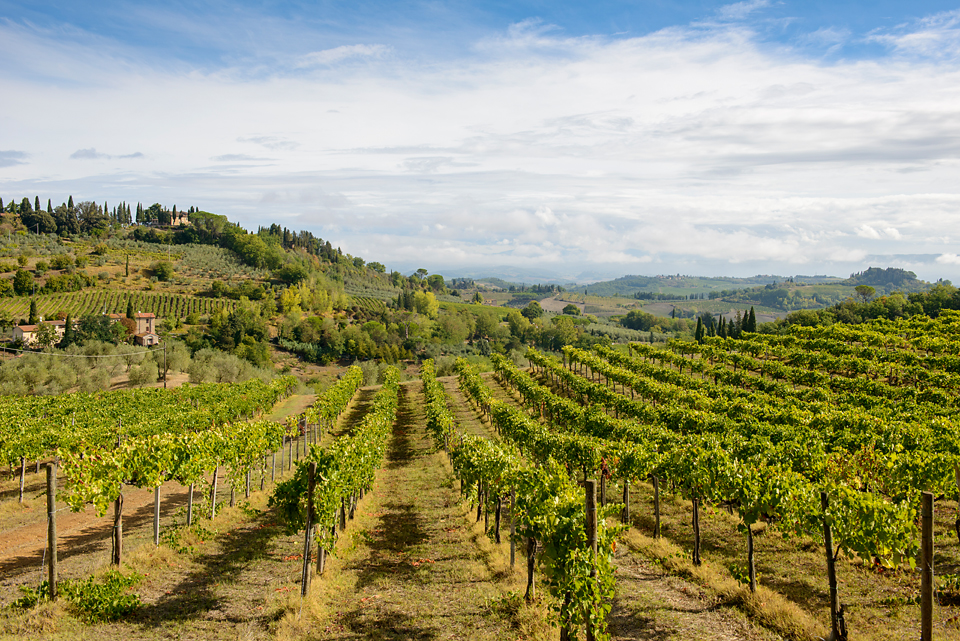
(27, 328)
(143, 334)
(144, 315)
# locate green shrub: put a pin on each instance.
(92, 600)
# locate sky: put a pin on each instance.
(559, 139)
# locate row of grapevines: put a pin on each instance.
(344, 468)
(549, 506)
(755, 475)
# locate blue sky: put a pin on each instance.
(573, 139)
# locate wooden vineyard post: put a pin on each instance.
(837, 626)
(273, 465)
(263, 474)
(213, 493)
(696, 531)
(233, 495)
(591, 526)
(496, 521)
(751, 562)
(479, 499)
(603, 490)
(52, 527)
(308, 531)
(513, 527)
(531, 593)
(290, 455)
(23, 473)
(656, 507)
(926, 568)
(156, 516)
(190, 505)
(117, 530)
(281, 456)
(956, 477)
(246, 491)
(343, 513)
(626, 501)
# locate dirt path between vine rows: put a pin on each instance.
(416, 572)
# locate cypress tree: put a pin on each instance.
(49, 206)
(698, 333)
(34, 319)
(36, 203)
(1, 204)
(751, 324)
(129, 300)
(25, 206)
(68, 334)
(70, 202)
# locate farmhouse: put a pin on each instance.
(28, 333)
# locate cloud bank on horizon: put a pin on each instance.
(744, 138)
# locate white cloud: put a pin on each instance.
(740, 10)
(332, 56)
(690, 146)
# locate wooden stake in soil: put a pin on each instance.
(479, 499)
(308, 531)
(531, 593)
(751, 564)
(626, 501)
(117, 530)
(23, 473)
(190, 505)
(246, 491)
(656, 507)
(926, 568)
(273, 465)
(213, 493)
(156, 516)
(696, 531)
(513, 527)
(52, 527)
(591, 527)
(496, 526)
(837, 625)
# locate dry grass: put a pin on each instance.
(765, 606)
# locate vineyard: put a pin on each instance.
(784, 475)
(102, 301)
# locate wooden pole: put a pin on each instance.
(656, 507)
(213, 493)
(531, 593)
(273, 465)
(513, 527)
(496, 520)
(156, 516)
(926, 569)
(117, 530)
(751, 562)
(52, 527)
(308, 531)
(190, 505)
(626, 501)
(591, 527)
(836, 624)
(23, 473)
(696, 531)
